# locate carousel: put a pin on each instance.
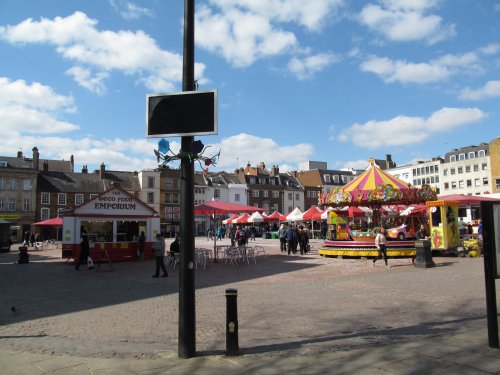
(357, 210)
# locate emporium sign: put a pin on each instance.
(115, 202)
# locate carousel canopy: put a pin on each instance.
(375, 187)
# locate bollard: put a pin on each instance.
(23, 255)
(232, 347)
(423, 257)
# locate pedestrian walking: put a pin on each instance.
(159, 248)
(290, 239)
(142, 244)
(282, 234)
(381, 244)
(26, 239)
(84, 253)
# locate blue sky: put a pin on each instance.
(330, 80)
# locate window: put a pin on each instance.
(327, 178)
(461, 184)
(415, 182)
(2, 183)
(431, 168)
(255, 193)
(481, 153)
(151, 182)
(265, 206)
(452, 170)
(460, 169)
(461, 157)
(290, 196)
(13, 184)
(445, 172)
(272, 181)
(26, 204)
(236, 197)
(176, 212)
(485, 180)
(467, 169)
(262, 181)
(45, 198)
(276, 194)
(3, 163)
(27, 184)
(453, 158)
(168, 182)
(469, 183)
(93, 196)
(45, 214)
(427, 170)
(175, 183)
(61, 199)
(336, 179)
(297, 197)
(453, 185)
(252, 180)
(472, 155)
(266, 193)
(436, 169)
(216, 193)
(2, 203)
(78, 199)
(12, 204)
(175, 198)
(432, 179)
(477, 182)
(344, 179)
(436, 179)
(168, 198)
(497, 183)
(484, 166)
(314, 193)
(151, 197)
(476, 167)
(59, 212)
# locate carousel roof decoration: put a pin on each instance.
(375, 187)
(196, 151)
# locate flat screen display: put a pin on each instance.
(181, 114)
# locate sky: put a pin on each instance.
(337, 81)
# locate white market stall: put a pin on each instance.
(113, 222)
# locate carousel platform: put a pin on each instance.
(403, 249)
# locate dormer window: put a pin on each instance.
(262, 181)
(481, 153)
(327, 178)
(461, 157)
(3, 164)
(453, 158)
(472, 155)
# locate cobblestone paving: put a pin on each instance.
(287, 305)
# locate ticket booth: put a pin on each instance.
(443, 225)
(113, 222)
(338, 225)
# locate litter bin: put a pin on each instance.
(23, 255)
(423, 258)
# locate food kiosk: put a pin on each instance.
(338, 225)
(113, 222)
(443, 224)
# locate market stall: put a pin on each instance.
(113, 222)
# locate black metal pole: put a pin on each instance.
(489, 273)
(232, 345)
(187, 313)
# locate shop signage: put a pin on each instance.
(9, 216)
(115, 202)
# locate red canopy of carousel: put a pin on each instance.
(55, 222)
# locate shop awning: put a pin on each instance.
(275, 216)
(255, 218)
(313, 213)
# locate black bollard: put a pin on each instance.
(232, 347)
(24, 257)
(423, 258)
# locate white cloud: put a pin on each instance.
(490, 90)
(425, 72)
(84, 78)
(307, 67)
(243, 31)
(77, 38)
(406, 20)
(130, 11)
(244, 148)
(410, 130)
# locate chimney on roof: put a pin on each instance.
(72, 162)
(85, 169)
(262, 165)
(45, 166)
(36, 159)
(275, 171)
(19, 154)
(102, 171)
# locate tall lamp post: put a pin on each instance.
(187, 315)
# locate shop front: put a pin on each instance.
(113, 223)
